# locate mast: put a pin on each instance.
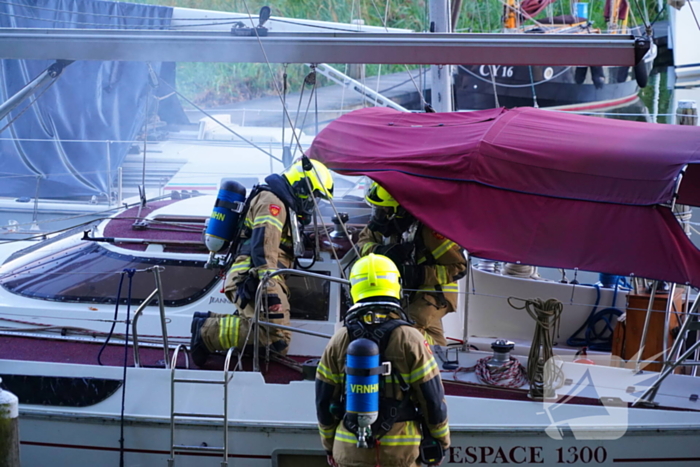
(441, 75)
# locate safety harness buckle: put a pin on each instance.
(386, 368)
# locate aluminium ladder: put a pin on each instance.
(182, 448)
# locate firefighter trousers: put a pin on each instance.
(427, 312)
(220, 332)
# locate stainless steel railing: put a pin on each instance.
(164, 328)
(262, 291)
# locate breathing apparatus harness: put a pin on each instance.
(371, 321)
(429, 261)
(289, 195)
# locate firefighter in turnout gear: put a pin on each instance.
(267, 243)
(430, 264)
(412, 414)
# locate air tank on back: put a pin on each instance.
(362, 389)
(223, 223)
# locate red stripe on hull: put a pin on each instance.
(140, 451)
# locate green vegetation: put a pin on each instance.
(211, 84)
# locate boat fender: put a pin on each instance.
(597, 76)
(641, 75)
(641, 47)
(223, 224)
(362, 390)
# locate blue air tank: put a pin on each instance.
(224, 219)
(362, 390)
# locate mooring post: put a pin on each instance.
(9, 429)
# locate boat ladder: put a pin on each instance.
(174, 416)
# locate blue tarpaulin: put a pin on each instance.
(70, 142)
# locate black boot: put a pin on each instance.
(198, 351)
(279, 346)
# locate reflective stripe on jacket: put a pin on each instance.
(266, 240)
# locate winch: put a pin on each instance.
(501, 353)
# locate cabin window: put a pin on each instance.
(85, 272)
(309, 298)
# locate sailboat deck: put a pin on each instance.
(86, 353)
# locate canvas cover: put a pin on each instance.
(533, 186)
(70, 142)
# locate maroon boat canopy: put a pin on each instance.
(533, 186)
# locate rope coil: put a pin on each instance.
(508, 375)
(542, 371)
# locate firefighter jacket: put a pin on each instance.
(412, 358)
(266, 240)
(442, 260)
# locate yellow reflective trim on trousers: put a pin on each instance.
(411, 439)
(344, 436)
(443, 248)
(236, 325)
(268, 219)
(440, 432)
(329, 433)
(223, 334)
(324, 371)
(418, 374)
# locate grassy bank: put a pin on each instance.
(213, 84)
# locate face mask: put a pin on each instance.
(305, 209)
(388, 223)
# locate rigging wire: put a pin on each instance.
(216, 21)
(269, 154)
(379, 68)
(643, 17)
(415, 85)
(308, 104)
(33, 101)
(692, 10)
(534, 93)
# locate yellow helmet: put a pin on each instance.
(374, 276)
(378, 196)
(315, 172)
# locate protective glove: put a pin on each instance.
(412, 277)
(331, 461)
(246, 289)
(399, 253)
